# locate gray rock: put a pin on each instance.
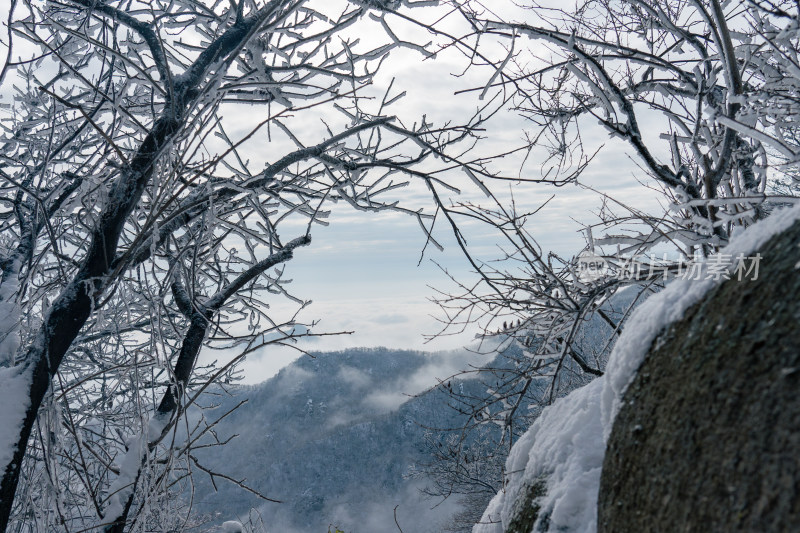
(708, 438)
(526, 510)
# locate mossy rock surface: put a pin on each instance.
(708, 437)
(526, 510)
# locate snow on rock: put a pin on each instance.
(561, 445)
(668, 306)
(565, 445)
(14, 401)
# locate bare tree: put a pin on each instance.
(136, 230)
(702, 93)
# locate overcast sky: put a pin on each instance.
(366, 272)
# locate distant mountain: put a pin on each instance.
(333, 438)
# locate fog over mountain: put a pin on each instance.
(335, 436)
(332, 437)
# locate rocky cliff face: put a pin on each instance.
(708, 437)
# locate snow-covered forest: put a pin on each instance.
(163, 162)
